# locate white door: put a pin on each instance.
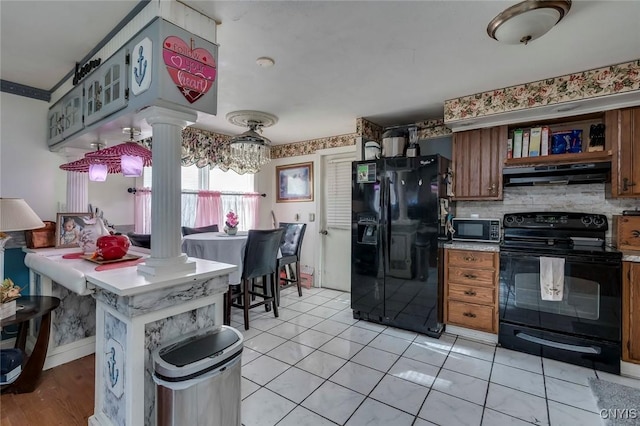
(335, 222)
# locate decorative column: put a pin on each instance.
(77, 183)
(77, 192)
(166, 253)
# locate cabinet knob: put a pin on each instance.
(492, 189)
(626, 185)
(470, 259)
(470, 276)
(469, 314)
(470, 293)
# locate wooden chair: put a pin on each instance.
(260, 261)
(290, 248)
(188, 231)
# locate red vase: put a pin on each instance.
(112, 247)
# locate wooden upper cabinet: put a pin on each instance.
(623, 129)
(478, 158)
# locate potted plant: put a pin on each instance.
(9, 292)
(231, 223)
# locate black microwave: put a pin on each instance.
(476, 229)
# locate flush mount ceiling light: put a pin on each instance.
(527, 21)
(249, 151)
(265, 62)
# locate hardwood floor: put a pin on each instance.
(64, 397)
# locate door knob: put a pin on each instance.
(324, 232)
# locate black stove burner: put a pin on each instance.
(563, 248)
(558, 233)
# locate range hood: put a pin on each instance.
(557, 174)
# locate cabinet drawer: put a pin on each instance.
(471, 294)
(483, 277)
(477, 317)
(472, 259)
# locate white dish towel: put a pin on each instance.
(551, 278)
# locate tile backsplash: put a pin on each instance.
(588, 198)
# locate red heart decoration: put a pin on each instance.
(188, 68)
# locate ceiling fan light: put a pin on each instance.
(131, 165)
(527, 21)
(98, 172)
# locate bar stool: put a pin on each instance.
(290, 248)
(260, 261)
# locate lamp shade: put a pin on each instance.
(527, 21)
(131, 165)
(16, 215)
(114, 153)
(82, 165)
(98, 172)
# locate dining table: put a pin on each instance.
(218, 246)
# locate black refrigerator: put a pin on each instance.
(399, 213)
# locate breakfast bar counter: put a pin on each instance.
(135, 313)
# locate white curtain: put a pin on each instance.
(189, 207)
(246, 206)
(142, 211)
(202, 209)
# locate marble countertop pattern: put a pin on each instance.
(630, 256)
(126, 281)
(466, 245)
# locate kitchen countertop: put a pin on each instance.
(630, 256)
(466, 245)
(79, 275)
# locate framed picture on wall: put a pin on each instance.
(70, 227)
(294, 182)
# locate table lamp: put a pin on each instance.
(15, 215)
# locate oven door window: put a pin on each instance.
(590, 304)
(581, 298)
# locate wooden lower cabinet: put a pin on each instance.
(631, 312)
(471, 289)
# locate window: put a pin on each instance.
(229, 183)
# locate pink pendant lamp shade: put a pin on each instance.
(114, 154)
(84, 164)
(127, 158)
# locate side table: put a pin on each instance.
(33, 307)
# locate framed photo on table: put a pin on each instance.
(69, 227)
(294, 182)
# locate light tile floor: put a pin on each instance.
(315, 365)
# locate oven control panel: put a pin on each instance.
(552, 220)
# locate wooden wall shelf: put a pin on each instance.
(594, 157)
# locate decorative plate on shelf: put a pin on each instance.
(101, 261)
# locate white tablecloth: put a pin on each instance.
(218, 246)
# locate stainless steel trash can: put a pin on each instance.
(198, 379)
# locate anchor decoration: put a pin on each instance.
(113, 371)
(142, 72)
(142, 63)
(114, 367)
